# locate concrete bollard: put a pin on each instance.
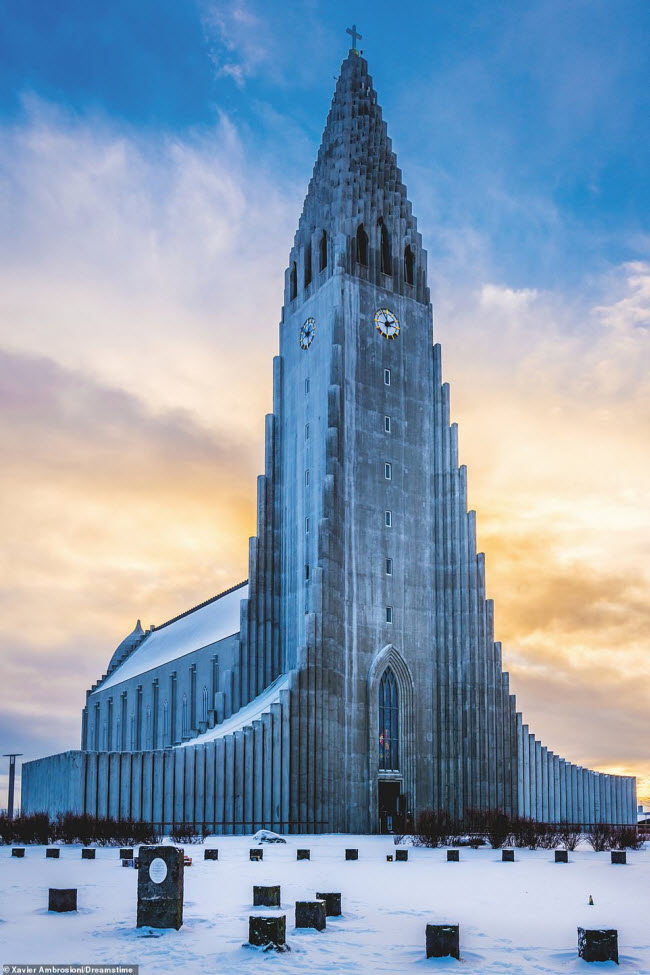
(332, 904)
(256, 855)
(211, 854)
(266, 896)
(267, 932)
(507, 856)
(87, 854)
(618, 856)
(453, 856)
(351, 854)
(561, 856)
(310, 914)
(442, 941)
(52, 853)
(401, 856)
(18, 851)
(303, 854)
(126, 853)
(62, 901)
(598, 945)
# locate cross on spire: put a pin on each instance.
(355, 37)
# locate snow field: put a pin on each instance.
(516, 917)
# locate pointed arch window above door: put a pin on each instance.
(388, 722)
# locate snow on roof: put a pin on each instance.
(246, 715)
(200, 627)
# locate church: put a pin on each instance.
(353, 680)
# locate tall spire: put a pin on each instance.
(356, 182)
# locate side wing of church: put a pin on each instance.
(354, 679)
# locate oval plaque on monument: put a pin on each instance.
(158, 870)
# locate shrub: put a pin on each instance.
(497, 829)
(435, 828)
(601, 837)
(81, 828)
(569, 835)
(25, 828)
(627, 837)
(525, 832)
(184, 833)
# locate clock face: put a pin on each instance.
(386, 323)
(307, 331)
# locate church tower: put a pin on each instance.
(382, 609)
(354, 679)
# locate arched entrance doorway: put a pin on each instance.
(391, 753)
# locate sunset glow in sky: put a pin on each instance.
(153, 161)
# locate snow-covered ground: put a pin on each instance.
(514, 917)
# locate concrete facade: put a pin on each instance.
(363, 574)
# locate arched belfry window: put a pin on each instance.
(322, 252)
(388, 722)
(308, 264)
(409, 264)
(384, 245)
(293, 281)
(362, 246)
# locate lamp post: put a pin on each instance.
(12, 756)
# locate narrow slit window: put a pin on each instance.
(362, 246)
(306, 526)
(388, 519)
(409, 264)
(306, 571)
(389, 567)
(387, 424)
(306, 431)
(389, 614)
(293, 281)
(307, 477)
(306, 386)
(322, 262)
(386, 377)
(308, 264)
(384, 244)
(388, 472)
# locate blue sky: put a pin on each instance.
(154, 157)
(527, 120)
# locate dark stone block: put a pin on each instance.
(267, 932)
(310, 914)
(561, 856)
(126, 853)
(443, 939)
(389, 857)
(332, 904)
(136, 862)
(256, 854)
(160, 887)
(508, 856)
(128, 863)
(453, 856)
(351, 854)
(618, 856)
(211, 854)
(62, 900)
(599, 945)
(401, 856)
(52, 853)
(266, 896)
(18, 851)
(303, 855)
(87, 854)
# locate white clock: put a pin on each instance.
(386, 322)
